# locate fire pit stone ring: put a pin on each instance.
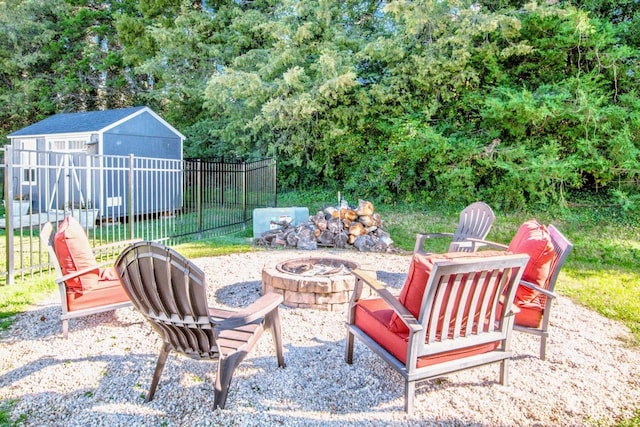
(321, 283)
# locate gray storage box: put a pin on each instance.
(265, 219)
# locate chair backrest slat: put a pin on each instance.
(490, 289)
(460, 321)
(432, 311)
(141, 267)
(455, 282)
(474, 299)
(164, 276)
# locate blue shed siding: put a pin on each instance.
(143, 136)
(158, 186)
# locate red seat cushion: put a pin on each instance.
(534, 240)
(74, 253)
(373, 316)
(530, 313)
(107, 290)
(416, 282)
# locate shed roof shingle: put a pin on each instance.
(89, 121)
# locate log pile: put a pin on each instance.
(339, 227)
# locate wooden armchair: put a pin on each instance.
(454, 312)
(475, 222)
(170, 292)
(86, 287)
(548, 250)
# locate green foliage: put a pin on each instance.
(5, 414)
(15, 299)
(518, 103)
(315, 198)
(631, 422)
(432, 100)
(216, 246)
(629, 203)
(58, 56)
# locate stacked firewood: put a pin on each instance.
(340, 227)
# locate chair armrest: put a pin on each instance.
(481, 242)
(254, 311)
(513, 308)
(78, 273)
(380, 288)
(421, 237)
(537, 288)
(114, 245)
(469, 244)
(432, 235)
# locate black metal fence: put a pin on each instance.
(118, 198)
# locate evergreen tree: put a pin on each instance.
(513, 102)
(59, 56)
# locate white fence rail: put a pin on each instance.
(118, 198)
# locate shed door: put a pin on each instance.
(76, 178)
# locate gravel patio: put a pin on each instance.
(99, 376)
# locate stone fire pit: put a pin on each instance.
(320, 283)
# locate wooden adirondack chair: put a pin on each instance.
(548, 250)
(454, 312)
(86, 287)
(170, 292)
(475, 222)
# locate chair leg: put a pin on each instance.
(65, 328)
(543, 348)
(226, 367)
(409, 396)
(273, 323)
(162, 359)
(504, 372)
(348, 354)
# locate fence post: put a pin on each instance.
(8, 211)
(275, 181)
(244, 195)
(199, 189)
(221, 168)
(130, 201)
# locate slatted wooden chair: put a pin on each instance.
(86, 286)
(454, 312)
(548, 250)
(475, 222)
(170, 292)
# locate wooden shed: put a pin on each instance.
(78, 149)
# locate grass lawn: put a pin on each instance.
(600, 273)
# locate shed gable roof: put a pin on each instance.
(88, 121)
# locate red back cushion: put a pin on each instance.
(415, 285)
(74, 253)
(533, 239)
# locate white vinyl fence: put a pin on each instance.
(119, 198)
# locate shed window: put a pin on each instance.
(28, 161)
(67, 146)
